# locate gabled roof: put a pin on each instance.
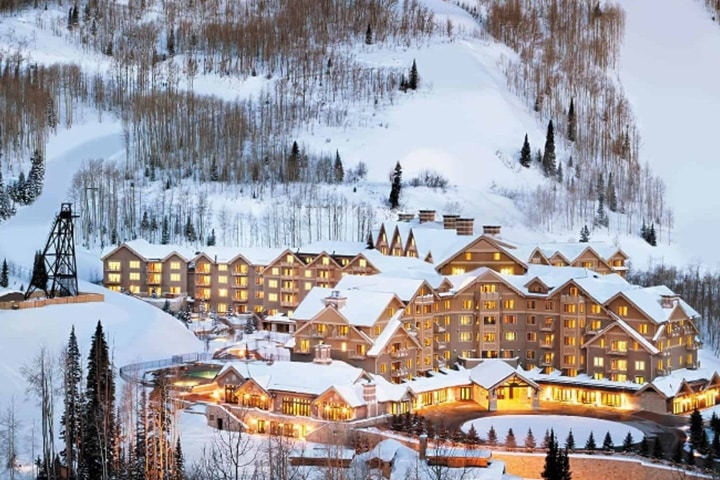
(648, 301)
(393, 326)
(463, 242)
(362, 308)
(152, 251)
(492, 373)
(406, 267)
(670, 385)
(283, 253)
(632, 333)
(320, 256)
(404, 288)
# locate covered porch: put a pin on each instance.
(500, 387)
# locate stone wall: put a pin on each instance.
(594, 467)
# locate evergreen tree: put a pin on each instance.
(691, 456)
(171, 41)
(526, 153)
(214, 172)
(190, 234)
(570, 441)
(628, 442)
(368, 35)
(698, 437)
(403, 83)
(572, 122)
(71, 424)
(39, 277)
(590, 443)
(492, 438)
(601, 218)
(715, 445)
(548, 159)
(97, 455)
(657, 450)
(677, 455)
(644, 448)
(179, 470)
(651, 237)
(530, 442)
(709, 462)
(293, 163)
(36, 176)
(559, 175)
(612, 199)
(413, 77)
(547, 438)
(6, 208)
(557, 464)
(538, 157)
(608, 442)
(4, 274)
(510, 441)
(472, 438)
(715, 422)
(584, 234)
(140, 447)
(338, 168)
(165, 233)
(145, 222)
(394, 198)
(211, 240)
(166, 306)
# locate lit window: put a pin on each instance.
(569, 323)
(222, 267)
(378, 330)
(223, 292)
(569, 359)
(308, 285)
(465, 320)
(623, 310)
(507, 270)
(531, 304)
(573, 291)
(595, 308)
(569, 341)
(134, 289)
(549, 305)
(383, 368)
(530, 354)
(643, 328)
(468, 256)
(489, 305)
(639, 365)
(510, 336)
(618, 346)
(113, 278)
(570, 308)
(134, 275)
(465, 336)
(174, 277)
(467, 304)
(222, 279)
(289, 258)
(134, 264)
(273, 297)
(598, 362)
(532, 336)
(308, 273)
(272, 283)
(509, 304)
(275, 271)
(326, 261)
(362, 262)
(457, 270)
(489, 337)
(113, 266)
(496, 256)
(530, 320)
(639, 379)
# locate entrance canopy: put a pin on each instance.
(493, 373)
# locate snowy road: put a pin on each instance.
(670, 68)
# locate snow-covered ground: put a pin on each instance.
(560, 424)
(670, 72)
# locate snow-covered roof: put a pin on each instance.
(388, 332)
(345, 249)
(603, 287)
(583, 379)
(322, 451)
(432, 240)
(492, 372)
(361, 308)
(669, 385)
(404, 288)
(632, 333)
(152, 251)
(406, 267)
(649, 301)
(453, 378)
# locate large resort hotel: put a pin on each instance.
(429, 312)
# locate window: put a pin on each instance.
(222, 279)
(378, 330)
(362, 262)
(569, 323)
(510, 336)
(465, 320)
(243, 269)
(134, 275)
(643, 328)
(532, 336)
(570, 308)
(465, 336)
(467, 304)
(468, 256)
(383, 368)
(595, 308)
(618, 364)
(549, 305)
(530, 320)
(465, 393)
(509, 304)
(489, 337)
(223, 292)
(222, 267)
(488, 288)
(390, 312)
(174, 277)
(573, 291)
(113, 278)
(275, 271)
(457, 270)
(489, 320)
(113, 266)
(296, 406)
(507, 270)
(272, 284)
(134, 264)
(446, 304)
(569, 341)
(307, 285)
(618, 346)
(530, 354)
(325, 261)
(489, 305)
(569, 359)
(598, 362)
(639, 379)
(531, 304)
(622, 310)
(595, 325)
(496, 256)
(273, 297)
(548, 339)
(639, 365)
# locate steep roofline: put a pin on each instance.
(498, 243)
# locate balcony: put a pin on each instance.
(549, 345)
(424, 300)
(616, 352)
(154, 280)
(317, 333)
(545, 362)
(399, 353)
(489, 296)
(437, 328)
(576, 299)
(440, 345)
(547, 327)
(288, 289)
(356, 355)
(399, 372)
(440, 363)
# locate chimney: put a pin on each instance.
(405, 217)
(322, 354)
(465, 226)
(423, 446)
(668, 301)
(427, 216)
(450, 221)
(369, 391)
(493, 230)
(335, 300)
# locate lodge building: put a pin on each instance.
(433, 296)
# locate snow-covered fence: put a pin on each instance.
(42, 302)
(135, 371)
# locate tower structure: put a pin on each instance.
(59, 257)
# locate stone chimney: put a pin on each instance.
(668, 301)
(450, 221)
(422, 451)
(335, 300)
(493, 230)
(405, 217)
(465, 226)
(322, 354)
(427, 216)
